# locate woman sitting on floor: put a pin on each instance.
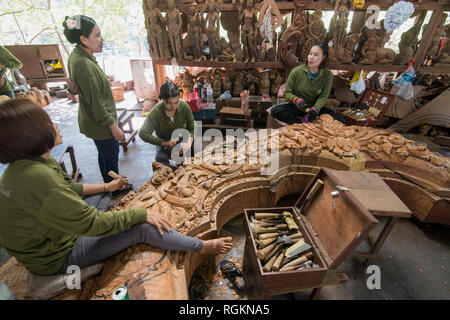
(46, 225)
(307, 89)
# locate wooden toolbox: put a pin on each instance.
(379, 103)
(333, 226)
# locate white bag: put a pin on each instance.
(359, 86)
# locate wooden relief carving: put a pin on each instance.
(156, 30)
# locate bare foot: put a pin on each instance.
(217, 246)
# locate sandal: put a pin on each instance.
(229, 269)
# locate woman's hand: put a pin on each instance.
(158, 220)
(117, 184)
(117, 132)
(169, 144)
(186, 146)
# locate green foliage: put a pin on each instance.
(40, 21)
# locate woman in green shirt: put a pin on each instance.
(307, 89)
(97, 114)
(46, 225)
(173, 122)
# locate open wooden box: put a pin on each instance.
(333, 231)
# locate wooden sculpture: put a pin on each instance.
(409, 39)
(349, 52)
(270, 19)
(174, 24)
(237, 84)
(212, 30)
(195, 33)
(248, 18)
(369, 48)
(156, 30)
(200, 197)
(217, 83)
(315, 33)
(264, 84)
(225, 51)
(293, 39)
(228, 81)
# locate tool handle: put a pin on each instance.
(298, 261)
(277, 263)
(114, 175)
(264, 243)
(268, 266)
(261, 254)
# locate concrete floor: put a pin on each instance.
(416, 256)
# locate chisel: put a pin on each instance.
(114, 175)
(312, 192)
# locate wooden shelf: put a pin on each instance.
(287, 6)
(279, 65)
(434, 69)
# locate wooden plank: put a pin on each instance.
(428, 37)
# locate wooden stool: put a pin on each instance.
(122, 123)
(228, 113)
(76, 174)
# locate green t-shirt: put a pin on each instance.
(159, 122)
(97, 109)
(314, 92)
(42, 215)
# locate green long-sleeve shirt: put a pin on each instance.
(97, 109)
(9, 61)
(315, 92)
(159, 122)
(42, 215)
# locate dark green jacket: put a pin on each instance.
(315, 92)
(97, 109)
(42, 215)
(159, 122)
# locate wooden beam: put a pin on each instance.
(428, 37)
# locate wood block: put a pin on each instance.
(118, 93)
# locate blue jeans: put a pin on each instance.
(108, 157)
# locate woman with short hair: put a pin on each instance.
(46, 225)
(97, 114)
(164, 119)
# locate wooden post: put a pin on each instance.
(160, 75)
(428, 37)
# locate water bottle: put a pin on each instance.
(209, 94)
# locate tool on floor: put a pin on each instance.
(114, 175)
(312, 192)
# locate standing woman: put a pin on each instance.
(7, 61)
(307, 89)
(97, 114)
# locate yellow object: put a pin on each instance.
(144, 114)
(356, 76)
(376, 112)
(359, 4)
(57, 66)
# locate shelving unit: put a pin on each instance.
(438, 8)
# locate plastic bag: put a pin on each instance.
(245, 101)
(194, 101)
(404, 83)
(225, 95)
(359, 86)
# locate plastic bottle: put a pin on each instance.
(209, 93)
(5, 293)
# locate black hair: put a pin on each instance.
(169, 90)
(83, 27)
(324, 47)
(26, 131)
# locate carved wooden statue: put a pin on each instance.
(225, 51)
(408, 42)
(248, 18)
(264, 84)
(217, 83)
(212, 30)
(156, 30)
(369, 48)
(315, 33)
(174, 25)
(195, 33)
(228, 81)
(237, 85)
(293, 39)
